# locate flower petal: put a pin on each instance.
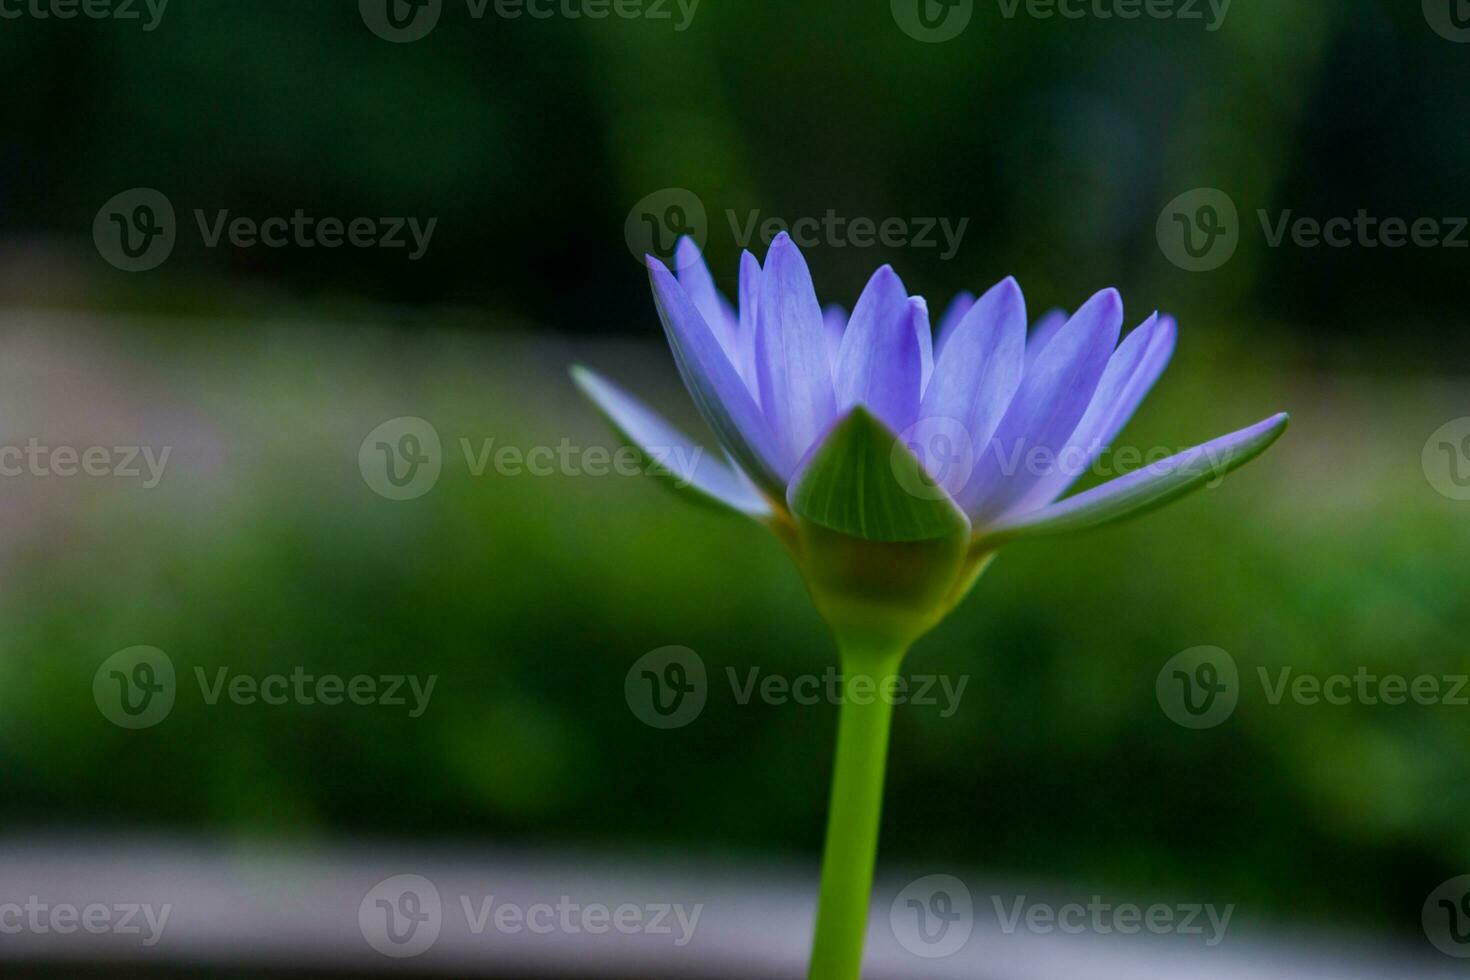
(1131, 372)
(1042, 332)
(979, 370)
(791, 363)
(716, 387)
(694, 276)
(1147, 488)
(919, 315)
(834, 325)
(750, 290)
(689, 466)
(879, 364)
(953, 314)
(1052, 398)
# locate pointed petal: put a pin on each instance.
(716, 387)
(690, 467)
(750, 290)
(879, 364)
(919, 315)
(859, 480)
(694, 276)
(1052, 398)
(834, 325)
(1131, 372)
(1042, 332)
(1147, 488)
(979, 370)
(791, 363)
(953, 314)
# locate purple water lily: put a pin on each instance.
(892, 462)
(1003, 422)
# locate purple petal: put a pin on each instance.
(716, 387)
(693, 274)
(979, 370)
(1042, 332)
(1131, 372)
(1144, 489)
(879, 364)
(919, 316)
(1052, 398)
(750, 291)
(791, 363)
(689, 465)
(834, 325)
(951, 318)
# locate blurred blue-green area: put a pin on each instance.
(529, 598)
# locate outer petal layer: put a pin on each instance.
(690, 467)
(716, 387)
(880, 364)
(1053, 396)
(790, 358)
(1144, 489)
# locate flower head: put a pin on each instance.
(867, 439)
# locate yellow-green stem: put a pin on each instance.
(855, 810)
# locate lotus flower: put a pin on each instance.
(893, 461)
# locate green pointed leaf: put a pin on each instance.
(862, 482)
(1145, 489)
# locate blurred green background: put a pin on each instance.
(263, 549)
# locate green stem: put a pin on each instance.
(854, 811)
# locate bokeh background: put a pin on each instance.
(1061, 141)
